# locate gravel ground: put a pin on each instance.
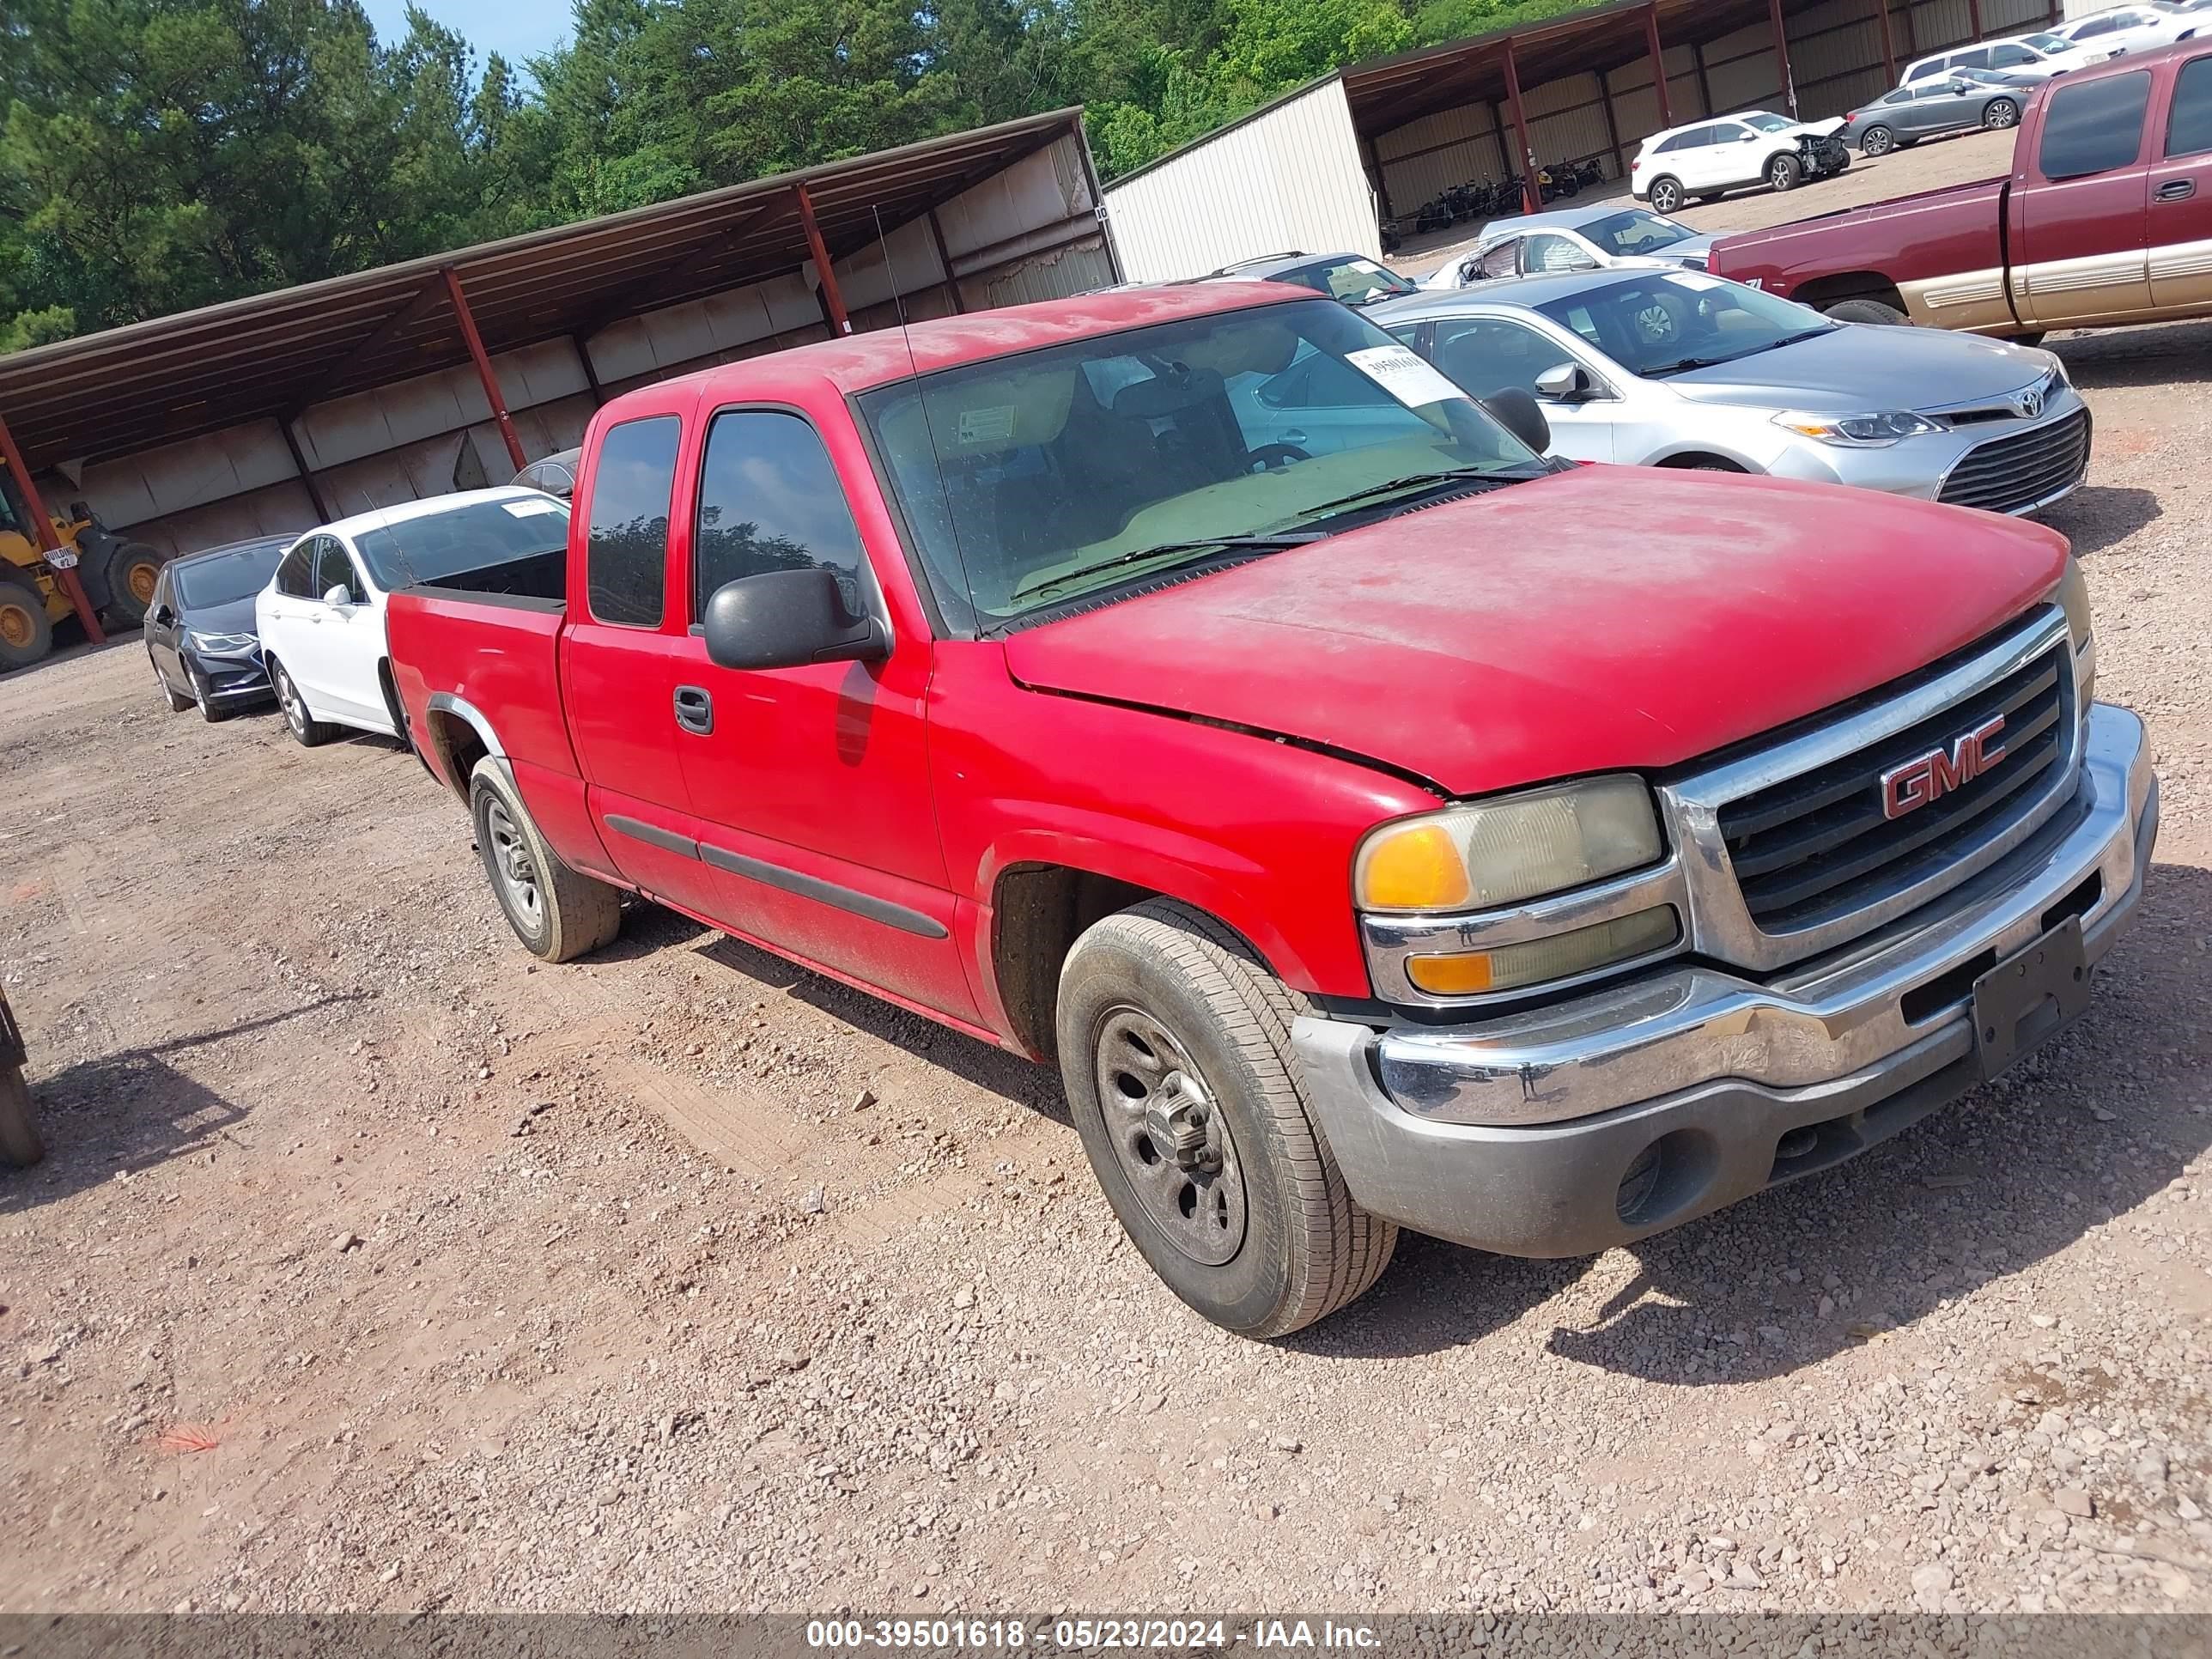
(377, 1267)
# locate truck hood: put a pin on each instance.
(1610, 617)
(1859, 365)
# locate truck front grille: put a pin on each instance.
(2011, 474)
(1818, 846)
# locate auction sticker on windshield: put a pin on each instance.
(532, 509)
(1405, 376)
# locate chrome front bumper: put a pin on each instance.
(1514, 1134)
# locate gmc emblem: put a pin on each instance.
(1933, 775)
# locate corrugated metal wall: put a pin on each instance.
(1029, 233)
(1835, 59)
(1290, 177)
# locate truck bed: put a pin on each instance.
(541, 578)
(493, 656)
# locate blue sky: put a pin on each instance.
(513, 28)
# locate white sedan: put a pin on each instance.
(2132, 28)
(321, 618)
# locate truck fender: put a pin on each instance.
(1172, 864)
(434, 745)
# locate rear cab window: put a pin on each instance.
(626, 553)
(2094, 126)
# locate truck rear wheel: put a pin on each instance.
(1870, 311)
(26, 635)
(19, 1128)
(1175, 1047)
(556, 912)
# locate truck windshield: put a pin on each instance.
(1030, 480)
(476, 537)
(1663, 324)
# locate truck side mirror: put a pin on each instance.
(786, 619)
(1516, 411)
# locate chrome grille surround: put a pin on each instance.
(1720, 922)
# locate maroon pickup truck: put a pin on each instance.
(1380, 825)
(2106, 218)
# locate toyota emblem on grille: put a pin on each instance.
(1931, 776)
(2029, 403)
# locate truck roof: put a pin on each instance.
(859, 362)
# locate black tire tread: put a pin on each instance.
(1342, 1249)
(26, 594)
(582, 912)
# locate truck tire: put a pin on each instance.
(299, 719)
(1785, 173)
(19, 1128)
(26, 635)
(132, 569)
(1168, 1025)
(556, 912)
(2000, 114)
(1666, 194)
(1876, 142)
(1870, 311)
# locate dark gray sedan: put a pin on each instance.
(1927, 109)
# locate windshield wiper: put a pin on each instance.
(1455, 475)
(1689, 363)
(1266, 542)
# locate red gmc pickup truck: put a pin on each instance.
(2106, 218)
(1379, 824)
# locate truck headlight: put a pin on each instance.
(1489, 853)
(1875, 429)
(1538, 961)
(2073, 597)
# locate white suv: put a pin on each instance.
(1710, 158)
(2036, 56)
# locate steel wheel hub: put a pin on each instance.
(1170, 1138)
(16, 625)
(141, 581)
(511, 859)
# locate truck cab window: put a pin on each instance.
(2094, 126)
(2189, 127)
(626, 558)
(769, 499)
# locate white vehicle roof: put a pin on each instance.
(2028, 40)
(1712, 120)
(431, 507)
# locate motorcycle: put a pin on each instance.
(19, 1129)
(1589, 174)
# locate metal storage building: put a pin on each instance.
(1316, 168)
(286, 409)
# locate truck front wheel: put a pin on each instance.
(556, 912)
(26, 635)
(1175, 1049)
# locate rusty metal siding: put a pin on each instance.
(1566, 120)
(1635, 102)
(1290, 177)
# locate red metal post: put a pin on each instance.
(832, 301)
(483, 368)
(1782, 56)
(1612, 124)
(1531, 195)
(944, 259)
(1658, 63)
(1888, 44)
(1974, 17)
(42, 525)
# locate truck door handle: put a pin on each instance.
(2177, 189)
(694, 710)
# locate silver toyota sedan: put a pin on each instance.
(1658, 367)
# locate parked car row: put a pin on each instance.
(1235, 694)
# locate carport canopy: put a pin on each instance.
(274, 355)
